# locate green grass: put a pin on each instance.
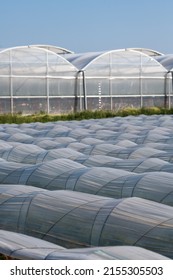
(43, 117)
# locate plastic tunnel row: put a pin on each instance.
(92, 189)
(68, 175)
(98, 221)
(21, 246)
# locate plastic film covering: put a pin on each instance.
(52, 79)
(55, 49)
(99, 221)
(149, 52)
(31, 76)
(64, 173)
(166, 61)
(97, 182)
(118, 157)
(133, 74)
(20, 246)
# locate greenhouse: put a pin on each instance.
(34, 79)
(121, 78)
(43, 78)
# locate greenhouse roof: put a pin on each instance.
(146, 51)
(80, 60)
(36, 61)
(55, 49)
(166, 61)
(83, 60)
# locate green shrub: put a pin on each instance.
(151, 110)
(129, 111)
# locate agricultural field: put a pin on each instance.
(94, 188)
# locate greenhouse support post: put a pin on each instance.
(84, 88)
(47, 82)
(169, 90)
(11, 83)
(140, 83)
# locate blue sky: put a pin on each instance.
(88, 25)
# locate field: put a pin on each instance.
(90, 185)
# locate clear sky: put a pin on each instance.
(88, 25)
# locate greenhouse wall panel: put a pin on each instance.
(5, 86)
(29, 105)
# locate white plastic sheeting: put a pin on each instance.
(116, 159)
(20, 246)
(48, 78)
(59, 174)
(74, 219)
(35, 78)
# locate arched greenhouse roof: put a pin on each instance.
(58, 50)
(81, 60)
(149, 52)
(26, 60)
(166, 61)
(119, 57)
